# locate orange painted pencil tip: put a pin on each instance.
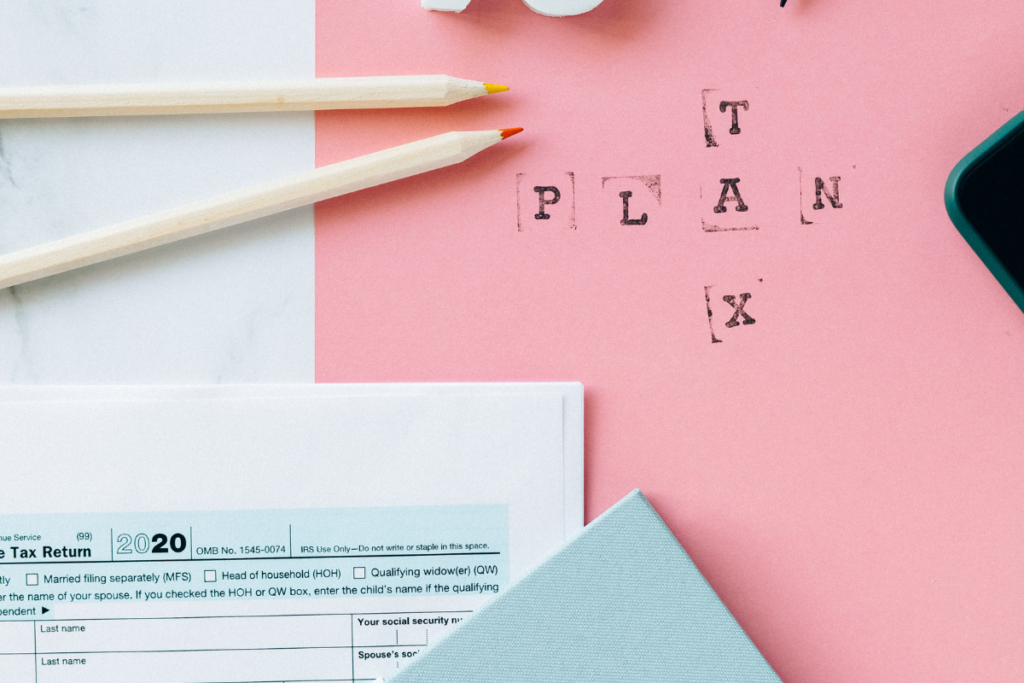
(509, 132)
(492, 88)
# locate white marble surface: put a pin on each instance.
(232, 306)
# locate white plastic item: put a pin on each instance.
(561, 8)
(549, 8)
(446, 5)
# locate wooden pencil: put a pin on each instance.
(382, 92)
(244, 205)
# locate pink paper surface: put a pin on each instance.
(847, 471)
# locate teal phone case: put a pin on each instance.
(954, 186)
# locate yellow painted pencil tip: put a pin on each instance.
(509, 132)
(492, 88)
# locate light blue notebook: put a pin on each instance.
(621, 602)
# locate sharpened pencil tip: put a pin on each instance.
(509, 132)
(492, 88)
(783, 3)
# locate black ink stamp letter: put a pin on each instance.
(545, 200)
(722, 106)
(827, 205)
(541, 191)
(716, 221)
(714, 104)
(729, 313)
(637, 197)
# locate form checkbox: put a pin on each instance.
(31, 579)
(359, 573)
(210, 576)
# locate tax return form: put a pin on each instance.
(269, 533)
